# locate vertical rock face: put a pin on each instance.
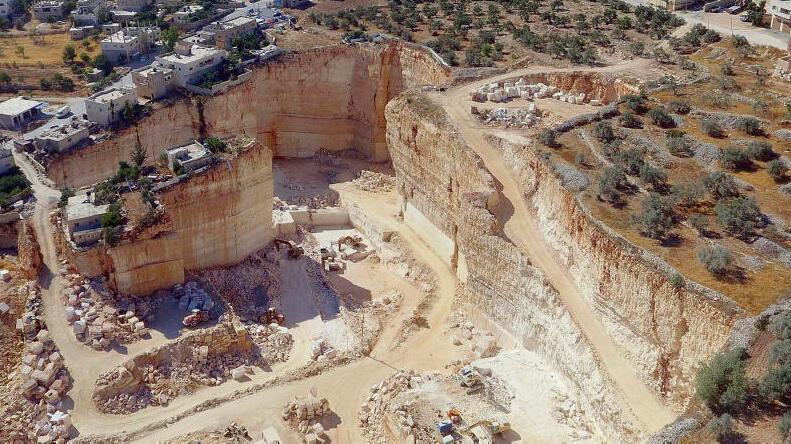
(29, 253)
(329, 98)
(665, 331)
(225, 214)
(446, 193)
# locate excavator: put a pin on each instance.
(272, 315)
(482, 432)
(351, 240)
(195, 318)
(294, 251)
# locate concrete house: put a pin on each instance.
(106, 107)
(84, 219)
(48, 8)
(190, 61)
(185, 14)
(85, 14)
(15, 113)
(129, 42)
(190, 157)
(61, 138)
(153, 82)
(223, 33)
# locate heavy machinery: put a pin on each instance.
(272, 315)
(294, 251)
(454, 415)
(196, 317)
(482, 432)
(469, 377)
(354, 241)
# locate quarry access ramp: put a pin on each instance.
(522, 229)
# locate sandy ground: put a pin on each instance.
(520, 226)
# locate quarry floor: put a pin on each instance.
(428, 349)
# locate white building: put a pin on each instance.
(107, 107)
(185, 14)
(780, 10)
(15, 113)
(63, 137)
(84, 219)
(189, 157)
(48, 8)
(129, 42)
(153, 82)
(223, 33)
(191, 61)
(6, 160)
(85, 14)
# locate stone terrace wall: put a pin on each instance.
(446, 190)
(328, 98)
(666, 332)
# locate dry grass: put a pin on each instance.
(46, 50)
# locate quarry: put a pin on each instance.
(362, 243)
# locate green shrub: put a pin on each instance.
(676, 280)
(699, 222)
(610, 181)
(722, 427)
(734, 158)
(656, 218)
(548, 137)
(721, 382)
(65, 194)
(784, 428)
(720, 185)
(777, 169)
(635, 104)
(687, 194)
(603, 131)
(629, 120)
(749, 125)
(760, 150)
(711, 128)
(679, 146)
(611, 149)
(630, 160)
(717, 259)
(656, 177)
(679, 107)
(726, 69)
(660, 117)
(738, 216)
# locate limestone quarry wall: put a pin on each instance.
(225, 214)
(600, 86)
(329, 98)
(442, 182)
(665, 331)
(215, 218)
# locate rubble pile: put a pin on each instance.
(373, 181)
(100, 317)
(519, 117)
(190, 297)
(382, 401)
(503, 91)
(478, 342)
(248, 287)
(568, 411)
(304, 415)
(274, 341)
(204, 358)
(32, 407)
(320, 351)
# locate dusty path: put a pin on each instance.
(522, 229)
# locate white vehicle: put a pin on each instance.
(63, 112)
(744, 17)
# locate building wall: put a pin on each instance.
(107, 113)
(42, 12)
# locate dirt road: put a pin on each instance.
(521, 227)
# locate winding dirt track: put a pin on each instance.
(521, 227)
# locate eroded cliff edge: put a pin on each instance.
(447, 194)
(329, 98)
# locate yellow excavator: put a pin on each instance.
(354, 241)
(294, 251)
(482, 432)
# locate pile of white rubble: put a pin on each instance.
(502, 91)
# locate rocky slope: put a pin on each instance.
(329, 98)
(448, 195)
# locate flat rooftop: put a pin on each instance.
(108, 96)
(197, 52)
(18, 105)
(190, 151)
(78, 208)
(64, 131)
(145, 72)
